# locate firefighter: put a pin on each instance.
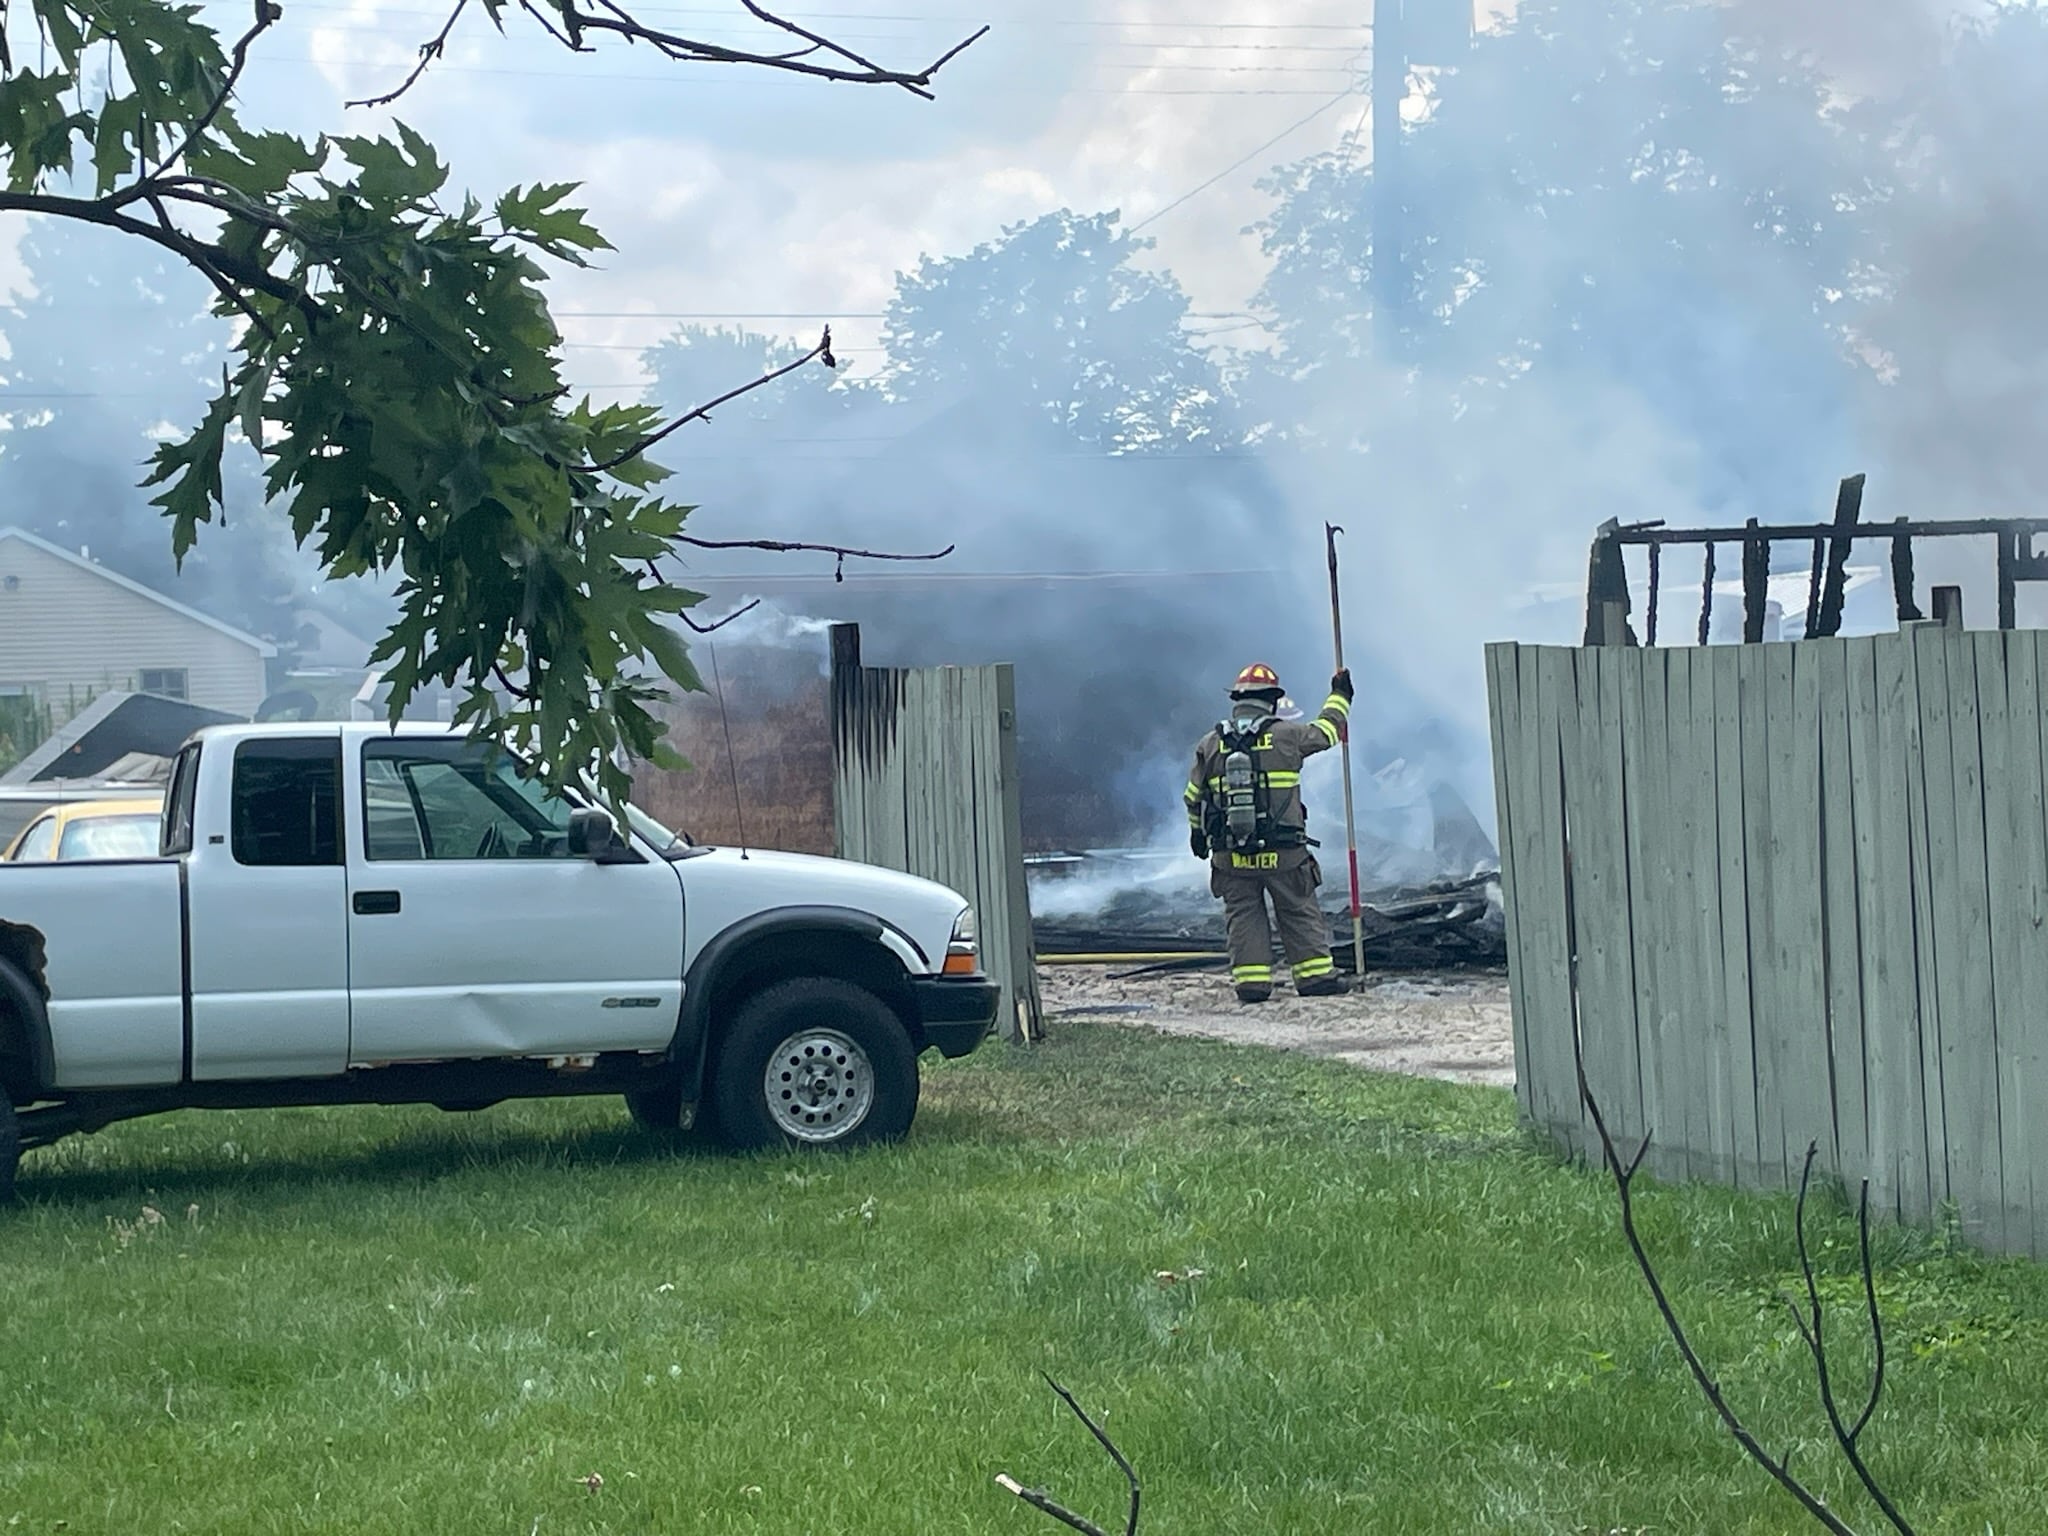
(1246, 817)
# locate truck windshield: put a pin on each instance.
(647, 828)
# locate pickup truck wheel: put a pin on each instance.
(815, 1062)
(10, 1149)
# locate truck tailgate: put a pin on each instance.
(114, 934)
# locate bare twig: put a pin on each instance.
(550, 28)
(1047, 1504)
(915, 84)
(268, 14)
(1624, 1180)
(718, 624)
(789, 547)
(703, 412)
(429, 51)
(863, 71)
(1811, 1326)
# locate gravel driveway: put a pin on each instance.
(1455, 1027)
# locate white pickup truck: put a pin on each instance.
(352, 914)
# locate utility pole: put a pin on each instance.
(1389, 87)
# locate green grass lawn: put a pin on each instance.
(1408, 1319)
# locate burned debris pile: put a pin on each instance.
(1453, 924)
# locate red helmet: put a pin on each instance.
(1254, 679)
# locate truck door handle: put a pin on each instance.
(375, 903)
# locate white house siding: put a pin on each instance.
(69, 633)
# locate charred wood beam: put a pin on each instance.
(1707, 598)
(1629, 535)
(1606, 581)
(1656, 578)
(1848, 511)
(2008, 579)
(1813, 589)
(1902, 573)
(1756, 577)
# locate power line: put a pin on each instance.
(1246, 159)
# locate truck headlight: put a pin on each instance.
(963, 950)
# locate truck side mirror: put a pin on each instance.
(591, 833)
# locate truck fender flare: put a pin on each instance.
(24, 1000)
(688, 1051)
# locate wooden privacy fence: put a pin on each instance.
(1787, 893)
(924, 775)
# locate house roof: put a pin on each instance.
(111, 729)
(262, 647)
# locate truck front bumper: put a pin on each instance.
(955, 1013)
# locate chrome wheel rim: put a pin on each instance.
(820, 1085)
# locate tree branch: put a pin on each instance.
(107, 212)
(703, 412)
(621, 22)
(268, 14)
(1624, 1180)
(1047, 1504)
(429, 51)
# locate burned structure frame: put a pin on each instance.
(1607, 594)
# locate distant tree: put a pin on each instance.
(1056, 319)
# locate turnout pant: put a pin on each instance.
(1304, 931)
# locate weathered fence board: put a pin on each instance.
(1789, 893)
(1732, 917)
(925, 781)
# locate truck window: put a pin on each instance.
(452, 800)
(38, 842)
(111, 837)
(177, 828)
(287, 802)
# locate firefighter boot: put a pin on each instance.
(1254, 991)
(1331, 985)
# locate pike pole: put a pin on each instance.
(1330, 532)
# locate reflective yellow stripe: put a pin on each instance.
(1283, 781)
(1328, 730)
(1338, 703)
(1192, 794)
(1251, 973)
(1309, 970)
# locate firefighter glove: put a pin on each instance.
(1198, 843)
(1340, 684)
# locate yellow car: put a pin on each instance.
(90, 829)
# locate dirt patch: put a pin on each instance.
(1452, 1027)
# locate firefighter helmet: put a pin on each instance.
(1254, 680)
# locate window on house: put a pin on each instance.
(170, 682)
(287, 802)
